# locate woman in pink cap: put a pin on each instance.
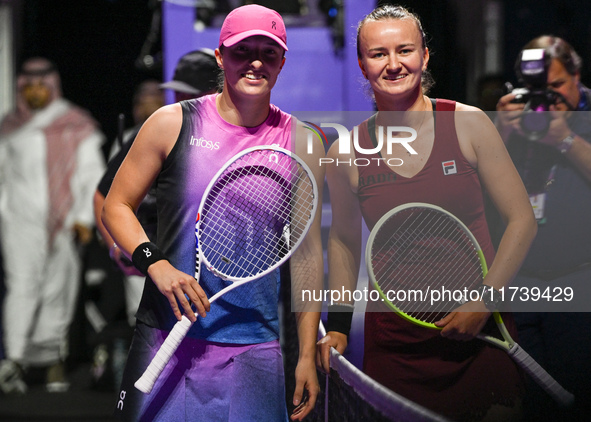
(229, 367)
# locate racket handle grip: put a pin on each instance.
(146, 382)
(543, 378)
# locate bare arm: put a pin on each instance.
(502, 182)
(508, 120)
(344, 242)
(114, 251)
(133, 180)
(483, 147)
(307, 273)
(508, 116)
(580, 156)
(579, 153)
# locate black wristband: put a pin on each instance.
(339, 318)
(145, 255)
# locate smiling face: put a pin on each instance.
(251, 66)
(392, 59)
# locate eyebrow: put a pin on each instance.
(37, 72)
(557, 81)
(398, 47)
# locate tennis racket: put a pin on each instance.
(253, 215)
(419, 249)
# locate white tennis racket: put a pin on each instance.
(419, 249)
(254, 213)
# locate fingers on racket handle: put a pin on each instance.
(543, 378)
(146, 382)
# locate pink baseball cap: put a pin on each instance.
(253, 19)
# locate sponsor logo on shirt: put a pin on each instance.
(449, 167)
(374, 179)
(204, 143)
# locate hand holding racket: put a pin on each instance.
(254, 213)
(420, 249)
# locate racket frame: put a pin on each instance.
(146, 382)
(202, 259)
(509, 345)
(374, 233)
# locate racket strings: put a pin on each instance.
(425, 251)
(256, 214)
(449, 238)
(405, 238)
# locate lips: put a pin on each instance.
(253, 77)
(395, 78)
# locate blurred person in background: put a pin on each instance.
(556, 170)
(147, 98)
(195, 75)
(51, 162)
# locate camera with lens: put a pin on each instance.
(532, 71)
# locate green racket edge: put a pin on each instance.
(385, 217)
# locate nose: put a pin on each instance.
(35, 80)
(256, 60)
(393, 62)
(256, 63)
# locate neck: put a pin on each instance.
(414, 102)
(242, 112)
(413, 116)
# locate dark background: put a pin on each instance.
(96, 44)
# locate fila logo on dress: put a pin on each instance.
(449, 167)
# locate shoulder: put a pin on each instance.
(477, 134)
(586, 92)
(279, 118)
(471, 117)
(163, 123)
(305, 145)
(161, 129)
(165, 117)
(466, 107)
(457, 106)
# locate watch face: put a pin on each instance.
(566, 144)
(489, 298)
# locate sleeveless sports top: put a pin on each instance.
(247, 314)
(447, 180)
(415, 361)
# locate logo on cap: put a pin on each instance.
(250, 20)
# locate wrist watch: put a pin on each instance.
(566, 144)
(490, 296)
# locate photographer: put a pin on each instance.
(547, 130)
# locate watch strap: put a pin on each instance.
(566, 144)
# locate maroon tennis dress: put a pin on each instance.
(460, 380)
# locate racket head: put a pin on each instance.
(254, 213)
(420, 247)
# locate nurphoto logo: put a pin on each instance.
(344, 137)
